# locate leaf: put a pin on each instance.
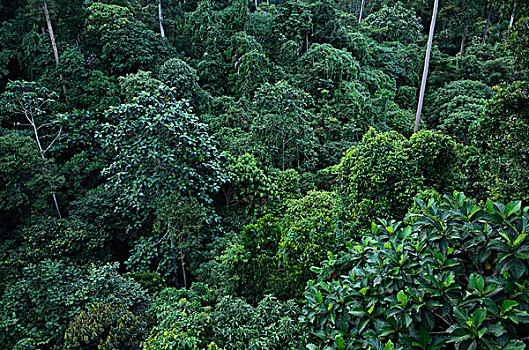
(477, 281)
(319, 297)
(519, 239)
(496, 329)
(514, 345)
(490, 206)
(340, 343)
(522, 252)
(478, 316)
(517, 268)
(508, 305)
(512, 208)
(402, 298)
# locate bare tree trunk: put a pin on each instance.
(50, 30)
(54, 46)
(426, 66)
(511, 23)
(487, 24)
(463, 39)
(307, 41)
(361, 10)
(256, 4)
(160, 18)
(183, 267)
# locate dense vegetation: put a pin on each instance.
(209, 174)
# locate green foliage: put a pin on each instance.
(133, 84)
(122, 43)
(195, 319)
(457, 106)
(159, 148)
(48, 296)
(68, 239)
(501, 135)
(177, 227)
(378, 177)
(419, 288)
(312, 104)
(249, 185)
(104, 326)
(395, 23)
(86, 88)
(439, 159)
(304, 243)
(314, 204)
(178, 75)
(284, 125)
(26, 180)
(519, 43)
(323, 67)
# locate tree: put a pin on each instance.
(121, 43)
(160, 18)
(395, 23)
(159, 148)
(26, 179)
(426, 65)
(284, 125)
(485, 31)
(378, 178)
(44, 6)
(50, 295)
(457, 106)
(361, 11)
(31, 101)
(177, 228)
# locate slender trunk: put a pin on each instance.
(361, 10)
(182, 262)
(50, 30)
(426, 66)
(462, 49)
(160, 18)
(307, 41)
(256, 4)
(511, 23)
(487, 24)
(36, 133)
(54, 46)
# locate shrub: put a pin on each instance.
(104, 326)
(458, 276)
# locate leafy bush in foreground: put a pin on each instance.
(458, 276)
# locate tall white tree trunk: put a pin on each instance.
(463, 39)
(511, 23)
(160, 18)
(426, 66)
(361, 10)
(54, 46)
(50, 30)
